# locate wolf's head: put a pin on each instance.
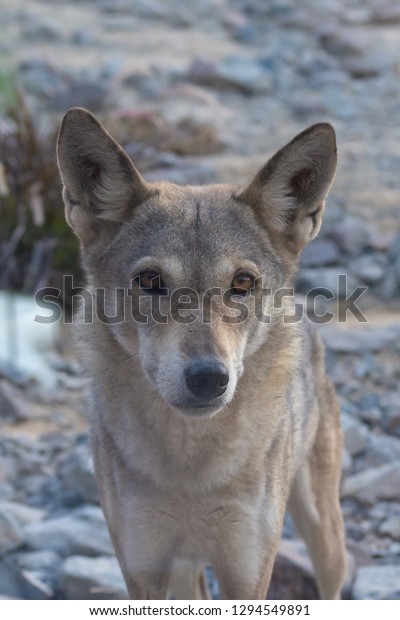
(191, 273)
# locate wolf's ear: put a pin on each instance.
(101, 185)
(289, 191)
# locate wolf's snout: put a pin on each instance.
(206, 379)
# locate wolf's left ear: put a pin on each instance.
(101, 185)
(288, 193)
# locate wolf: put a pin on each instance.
(210, 410)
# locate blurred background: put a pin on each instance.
(196, 92)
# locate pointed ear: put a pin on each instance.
(288, 193)
(101, 185)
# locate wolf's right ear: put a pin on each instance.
(288, 193)
(101, 185)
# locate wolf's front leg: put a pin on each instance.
(144, 550)
(145, 528)
(245, 553)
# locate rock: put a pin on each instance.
(81, 532)
(191, 137)
(41, 78)
(138, 126)
(46, 30)
(383, 448)
(363, 340)
(374, 483)
(37, 561)
(390, 404)
(389, 287)
(304, 107)
(369, 268)
(233, 72)
(238, 26)
(13, 406)
(18, 584)
(355, 435)
(181, 170)
(23, 514)
(82, 37)
(319, 253)
(363, 67)
(368, 408)
(92, 578)
(82, 91)
(292, 577)
(43, 565)
(391, 527)
(377, 582)
(339, 43)
(311, 281)
(187, 136)
(11, 534)
(77, 473)
(387, 13)
(347, 461)
(351, 235)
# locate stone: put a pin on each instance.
(232, 73)
(311, 281)
(11, 534)
(191, 137)
(355, 435)
(347, 461)
(383, 448)
(191, 173)
(12, 407)
(42, 565)
(391, 527)
(37, 561)
(363, 340)
(82, 91)
(351, 235)
(77, 473)
(390, 404)
(339, 43)
(320, 252)
(374, 483)
(46, 30)
(22, 513)
(41, 78)
(369, 268)
(377, 582)
(17, 584)
(81, 532)
(292, 576)
(92, 578)
(386, 13)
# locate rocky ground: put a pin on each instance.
(199, 92)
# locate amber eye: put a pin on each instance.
(242, 284)
(151, 281)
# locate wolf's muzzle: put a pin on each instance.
(206, 379)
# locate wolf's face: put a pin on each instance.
(191, 273)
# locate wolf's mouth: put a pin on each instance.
(197, 409)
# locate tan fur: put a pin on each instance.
(182, 486)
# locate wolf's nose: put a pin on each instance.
(206, 379)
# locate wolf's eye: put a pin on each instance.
(151, 281)
(242, 284)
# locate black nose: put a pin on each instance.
(206, 379)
